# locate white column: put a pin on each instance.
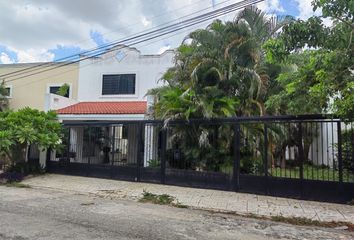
(150, 144)
(76, 142)
(43, 158)
(132, 144)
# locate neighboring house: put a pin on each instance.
(113, 87)
(29, 88)
(33, 84)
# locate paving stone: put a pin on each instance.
(241, 203)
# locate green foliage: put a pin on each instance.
(342, 10)
(25, 168)
(154, 163)
(64, 90)
(163, 199)
(19, 129)
(219, 71)
(251, 165)
(301, 86)
(324, 77)
(348, 150)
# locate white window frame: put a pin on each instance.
(10, 92)
(121, 95)
(49, 85)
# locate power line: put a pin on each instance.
(99, 60)
(102, 47)
(156, 33)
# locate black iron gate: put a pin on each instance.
(306, 157)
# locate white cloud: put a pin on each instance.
(145, 21)
(271, 6)
(5, 59)
(34, 55)
(305, 8)
(35, 26)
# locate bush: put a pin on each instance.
(25, 168)
(154, 163)
(10, 177)
(16, 173)
(251, 165)
(348, 150)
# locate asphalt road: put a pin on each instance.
(51, 214)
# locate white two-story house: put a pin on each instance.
(112, 88)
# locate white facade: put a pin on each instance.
(54, 102)
(148, 69)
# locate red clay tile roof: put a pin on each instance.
(105, 108)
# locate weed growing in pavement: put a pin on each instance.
(163, 199)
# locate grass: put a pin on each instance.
(16, 184)
(163, 199)
(312, 173)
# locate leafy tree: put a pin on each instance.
(219, 72)
(327, 70)
(19, 129)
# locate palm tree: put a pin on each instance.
(219, 72)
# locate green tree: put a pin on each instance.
(219, 72)
(327, 71)
(19, 129)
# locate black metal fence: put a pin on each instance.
(307, 157)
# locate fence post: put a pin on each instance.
(112, 148)
(68, 147)
(89, 151)
(301, 152)
(340, 157)
(237, 157)
(67, 162)
(48, 159)
(265, 157)
(138, 159)
(163, 154)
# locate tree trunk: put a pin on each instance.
(306, 151)
(18, 153)
(283, 164)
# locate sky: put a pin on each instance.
(49, 30)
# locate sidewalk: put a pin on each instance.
(240, 203)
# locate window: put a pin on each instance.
(7, 92)
(118, 84)
(55, 90)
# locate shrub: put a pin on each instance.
(251, 165)
(25, 168)
(154, 163)
(10, 177)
